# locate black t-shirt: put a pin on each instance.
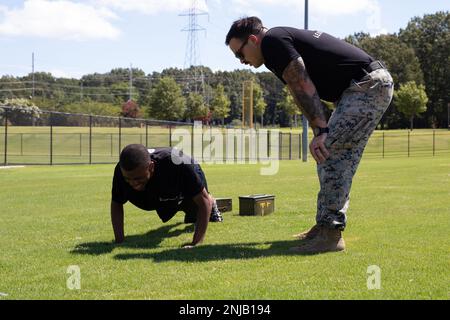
(168, 187)
(330, 62)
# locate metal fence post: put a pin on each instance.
(409, 132)
(21, 144)
(235, 146)
(203, 146)
(111, 144)
(6, 137)
(280, 141)
(170, 135)
(192, 141)
(146, 134)
(290, 145)
(299, 145)
(434, 142)
(90, 139)
(120, 134)
(51, 139)
(210, 142)
(257, 142)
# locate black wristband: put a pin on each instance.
(319, 131)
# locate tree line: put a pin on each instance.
(418, 58)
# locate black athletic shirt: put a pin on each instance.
(169, 186)
(330, 62)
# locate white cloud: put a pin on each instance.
(316, 7)
(152, 7)
(58, 73)
(61, 19)
(3, 9)
(338, 8)
(320, 10)
(249, 7)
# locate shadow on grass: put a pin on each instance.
(149, 240)
(205, 253)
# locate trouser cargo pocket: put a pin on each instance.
(348, 131)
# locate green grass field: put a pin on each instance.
(55, 217)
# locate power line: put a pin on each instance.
(66, 93)
(16, 89)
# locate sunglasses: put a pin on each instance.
(238, 54)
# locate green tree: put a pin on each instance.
(259, 105)
(400, 58)
(195, 107)
(166, 100)
(288, 105)
(220, 104)
(232, 82)
(121, 92)
(411, 100)
(357, 38)
(86, 107)
(430, 37)
(273, 93)
(102, 108)
(92, 107)
(401, 61)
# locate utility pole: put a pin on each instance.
(81, 91)
(304, 120)
(131, 83)
(32, 74)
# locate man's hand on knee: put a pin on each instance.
(318, 149)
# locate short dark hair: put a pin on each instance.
(244, 27)
(134, 156)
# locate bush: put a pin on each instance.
(22, 112)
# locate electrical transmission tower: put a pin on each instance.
(192, 56)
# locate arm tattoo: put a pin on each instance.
(304, 91)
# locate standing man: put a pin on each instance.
(315, 65)
(163, 180)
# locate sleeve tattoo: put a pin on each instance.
(304, 91)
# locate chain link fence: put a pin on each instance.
(64, 138)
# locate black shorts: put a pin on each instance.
(188, 205)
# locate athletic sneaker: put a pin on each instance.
(216, 216)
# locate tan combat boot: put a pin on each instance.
(326, 240)
(308, 235)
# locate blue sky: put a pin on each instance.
(75, 37)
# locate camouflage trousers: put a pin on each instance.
(357, 114)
